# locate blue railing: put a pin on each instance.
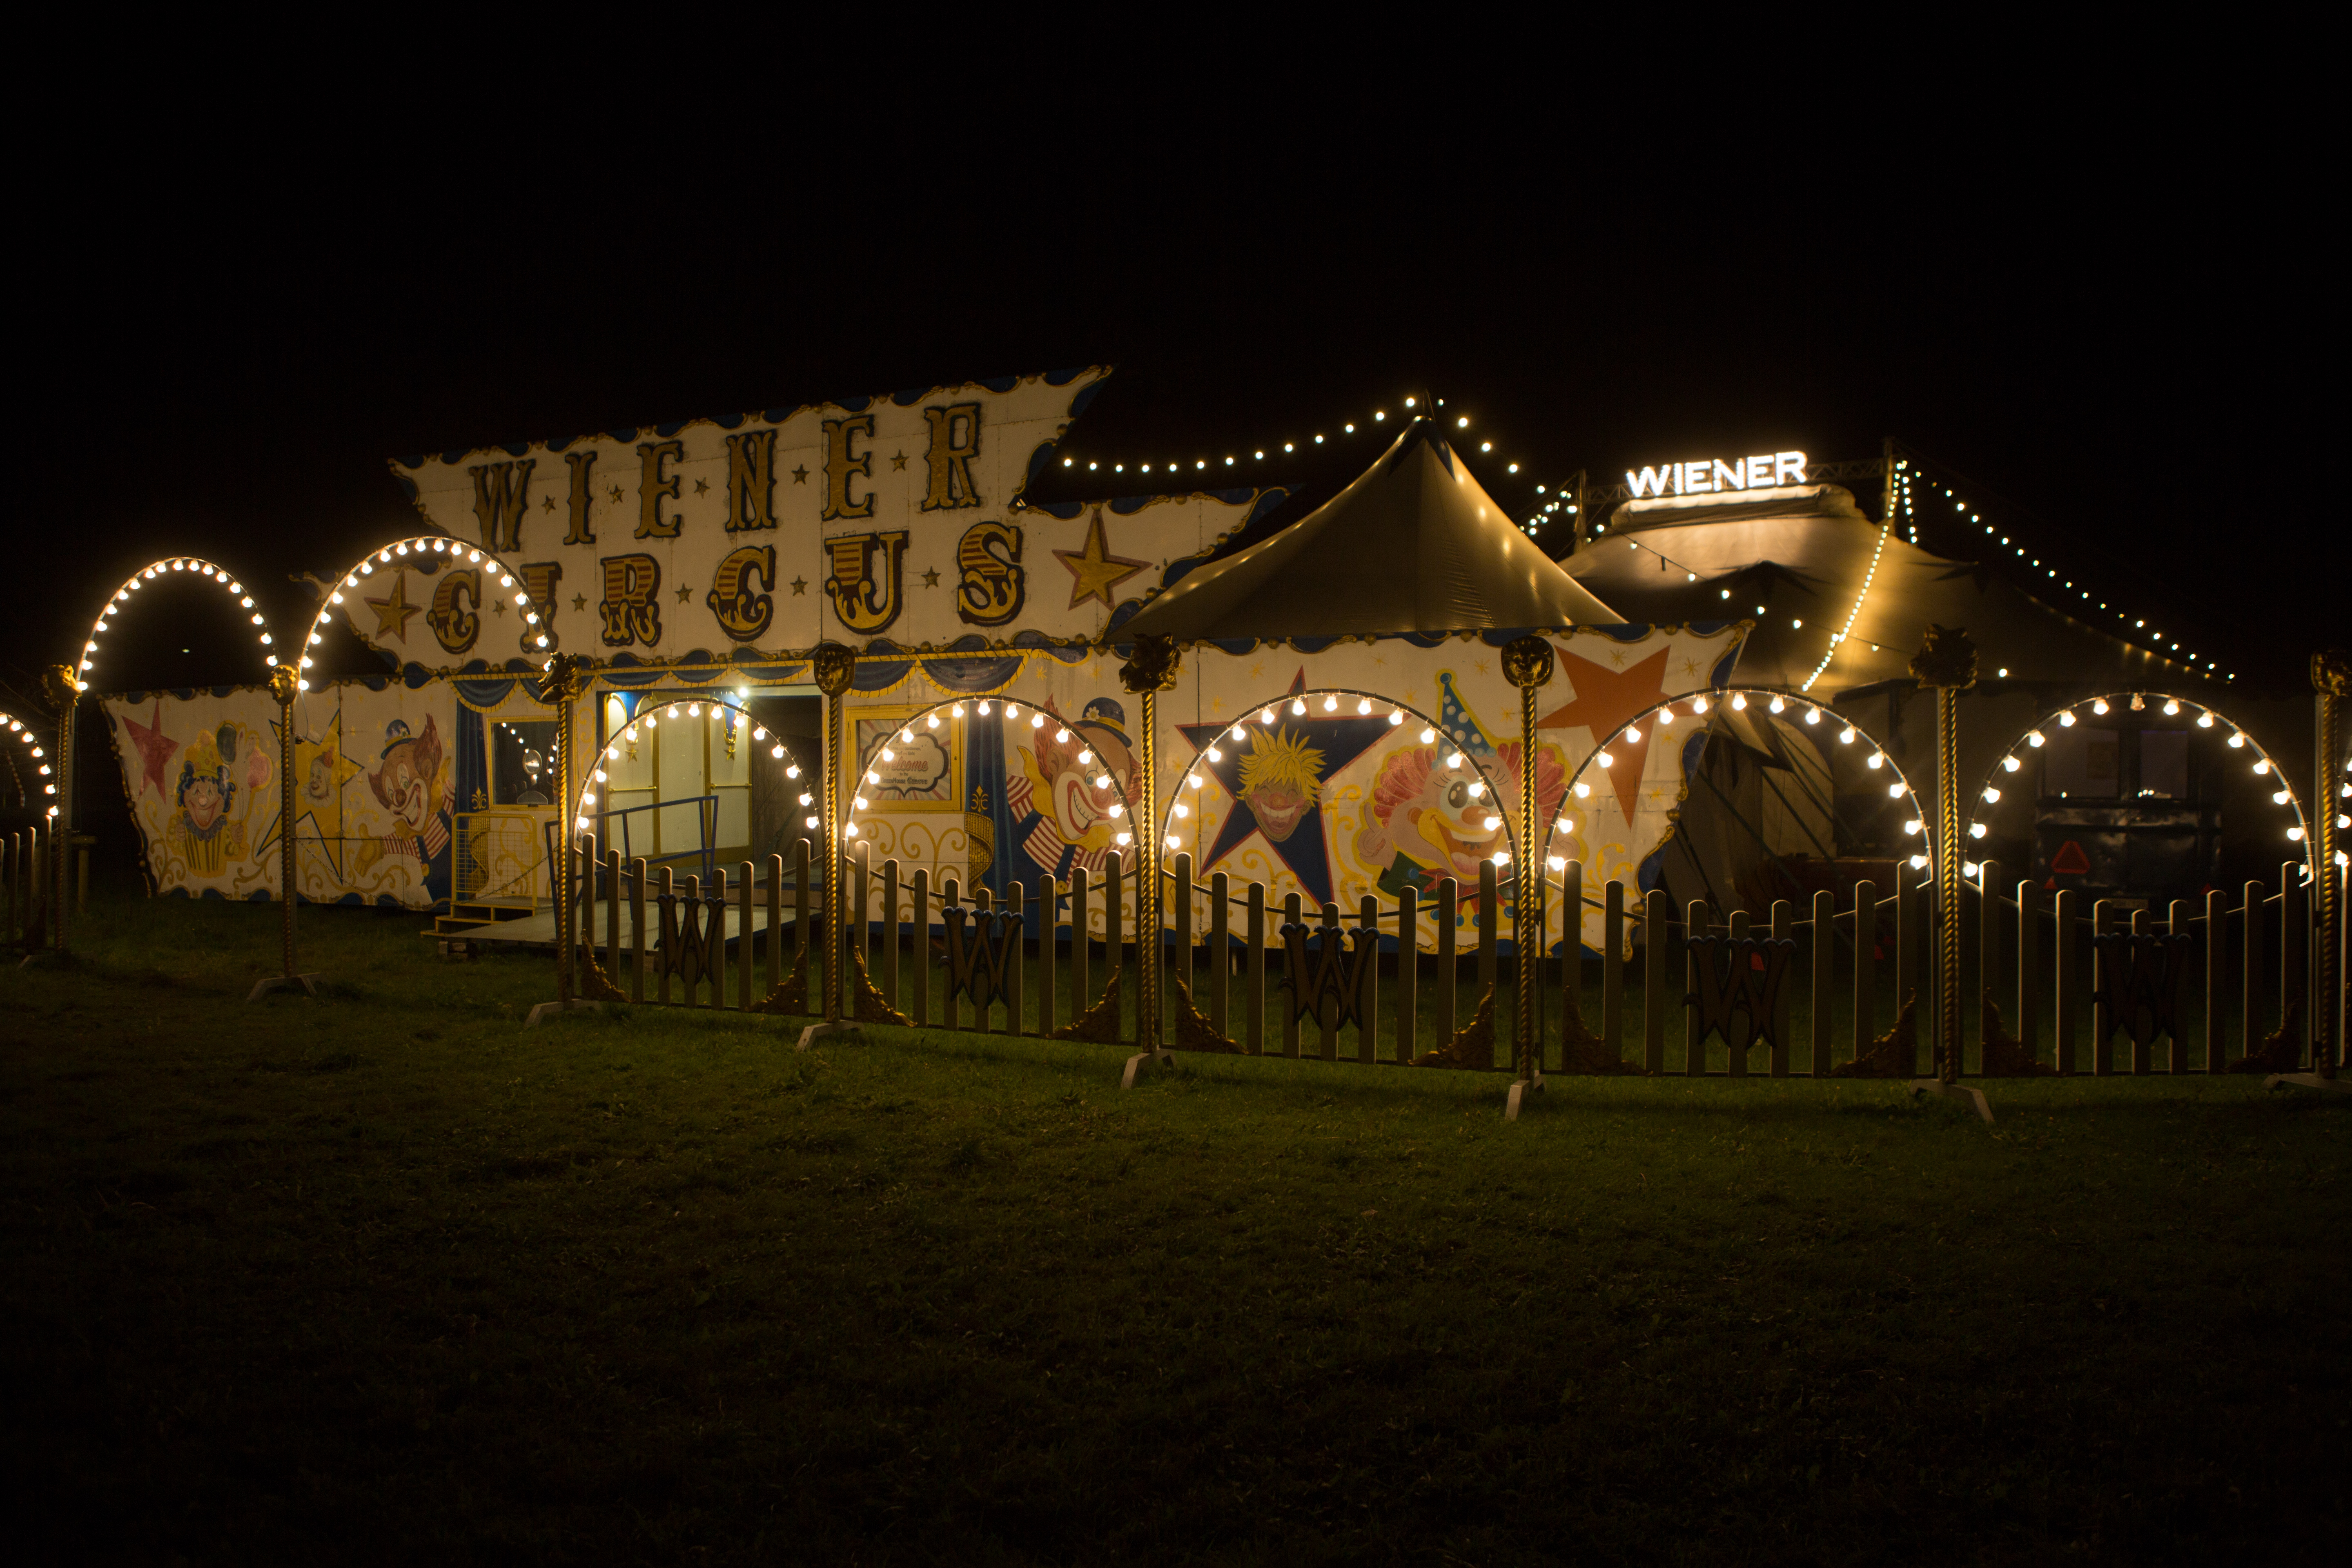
(706, 818)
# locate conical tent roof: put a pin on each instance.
(1415, 544)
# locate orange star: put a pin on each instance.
(1094, 569)
(1604, 699)
(392, 612)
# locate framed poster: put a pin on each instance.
(918, 774)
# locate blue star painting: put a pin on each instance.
(1274, 774)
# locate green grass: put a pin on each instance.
(385, 1277)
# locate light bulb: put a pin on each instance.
(1330, 702)
(1396, 717)
(1428, 734)
(1976, 830)
(1477, 788)
(777, 754)
(1846, 737)
(1297, 706)
(1992, 795)
(1778, 705)
(794, 772)
(1493, 822)
(1918, 862)
(1583, 789)
(1604, 759)
(2034, 737)
(931, 722)
(1878, 760)
(1215, 755)
(2011, 764)
(1556, 862)
(2067, 719)
(1739, 704)
(1812, 715)
(1364, 705)
(1894, 791)
(1454, 760)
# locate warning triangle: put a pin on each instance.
(2070, 860)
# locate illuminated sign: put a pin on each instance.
(1712, 474)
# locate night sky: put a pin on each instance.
(2108, 335)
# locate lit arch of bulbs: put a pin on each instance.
(458, 554)
(2035, 735)
(26, 737)
(1105, 784)
(1332, 701)
(682, 710)
(161, 571)
(1738, 699)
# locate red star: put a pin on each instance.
(155, 748)
(1604, 699)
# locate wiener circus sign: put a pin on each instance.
(895, 519)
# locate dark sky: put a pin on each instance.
(2107, 325)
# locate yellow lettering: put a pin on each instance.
(750, 480)
(744, 614)
(865, 584)
(454, 624)
(501, 490)
(840, 467)
(631, 614)
(580, 461)
(653, 484)
(538, 580)
(994, 583)
(951, 458)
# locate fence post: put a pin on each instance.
(890, 930)
(1049, 921)
(1082, 986)
(1291, 916)
(2065, 980)
(1368, 1006)
(662, 955)
(1784, 915)
(1220, 956)
(2177, 1059)
(1654, 980)
(1736, 1056)
(1694, 925)
(1907, 965)
(1988, 951)
(2250, 1002)
(861, 940)
(950, 896)
(921, 896)
(1016, 902)
(1115, 871)
(2102, 1027)
(2029, 962)
(772, 945)
(1184, 911)
(1612, 968)
(1449, 895)
(2142, 1051)
(2217, 927)
(1408, 985)
(984, 904)
(1824, 949)
(1571, 953)
(1253, 990)
(1488, 899)
(743, 998)
(800, 917)
(1865, 965)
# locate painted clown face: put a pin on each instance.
(405, 782)
(203, 801)
(1080, 811)
(1437, 817)
(1277, 807)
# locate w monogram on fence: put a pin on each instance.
(1739, 977)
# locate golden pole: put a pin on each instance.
(1946, 662)
(2331, 678)
(567, 674)
(834, 666)
(1149, 671)
(284, 681)
(64, 692)
(1528, 662)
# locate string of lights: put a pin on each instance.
(26, 737)
(1965, 512)
(647, 720)
(390, 555)
(163, 569)
(1257, 453)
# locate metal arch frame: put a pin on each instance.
(391, 554)
(581, 818)
(2031, 736)
(1735, 698)
(160, 570)
(955, 707)
(1440, 736)
(23, 734)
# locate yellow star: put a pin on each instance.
(1690, 667)
(616, 493)
(684, 592)
(897, 461)
(1617, 657)
(800, 475)
(930, 579)
(700, 486)
(1094, 569)
(547, 504)
(393, 611)
(1479, 664)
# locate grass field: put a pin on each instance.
(384, 1277)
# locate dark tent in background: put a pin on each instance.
(1415, 544)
